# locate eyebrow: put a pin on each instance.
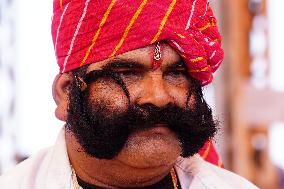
(131, 64)
(123, 63)
(178, 64)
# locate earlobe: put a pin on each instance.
(60, 95)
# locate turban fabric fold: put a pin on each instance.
(88, 31)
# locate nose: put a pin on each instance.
(155, 92)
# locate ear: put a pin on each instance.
(61, 95)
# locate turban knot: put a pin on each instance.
(88, 31)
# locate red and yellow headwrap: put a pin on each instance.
(88, 31)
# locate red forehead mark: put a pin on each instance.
(157, 56)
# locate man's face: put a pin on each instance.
(135, 113)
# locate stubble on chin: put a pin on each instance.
(150, 151)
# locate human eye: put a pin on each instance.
(128, 72)
(177, 72)
(176, 76)
(124, 68)
(129, 76)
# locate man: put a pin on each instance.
(129, 90)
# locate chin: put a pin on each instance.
(146, 152)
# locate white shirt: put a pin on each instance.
(50, 169)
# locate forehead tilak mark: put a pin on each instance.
(157, 52)
(157, 56)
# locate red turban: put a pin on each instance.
(88, 31)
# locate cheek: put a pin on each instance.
(179, 95)
(108, 94)
(183, 93)
(179, 92)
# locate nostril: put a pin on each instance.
(158, 99)
(154, 91)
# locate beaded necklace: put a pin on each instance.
(173, 176)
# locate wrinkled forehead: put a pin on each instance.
(143, 56)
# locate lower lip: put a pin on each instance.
(158, 129)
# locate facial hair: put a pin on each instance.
(103, 132)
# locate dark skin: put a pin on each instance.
(150, 154)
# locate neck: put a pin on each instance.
(111, 173)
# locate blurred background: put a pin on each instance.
(247, 95)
